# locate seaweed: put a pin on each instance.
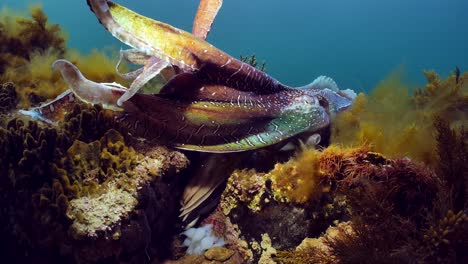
(387, 204)
(252, 60)
(395, 122)
(400, 212)
(452, 166)
(38, 33)
(29, 35)
(8, 97)
(31, 43)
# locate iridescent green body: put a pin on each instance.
(236, 124)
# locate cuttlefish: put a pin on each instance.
(213, 102)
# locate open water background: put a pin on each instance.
(357, 42)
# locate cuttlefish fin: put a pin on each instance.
(206, 13)
(288, 124)
(321, 83)
(88, 91)
(203, 183)
(154, 67)
(336, 101)
(206, 181)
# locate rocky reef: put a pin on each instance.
(64, 198)
(340, 205)
(392, 187)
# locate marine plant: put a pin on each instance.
(252, 61)
(34, 181)
(39, 33)
(21, 37)
(377, 207)
(401, 212)
(30, 43)
(452, 157)
(397, 123)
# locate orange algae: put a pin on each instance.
(396, 123)
(299, 179)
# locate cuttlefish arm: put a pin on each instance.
(206, 13)
(54, 111)
(181, 49)
(133, 56)
(89, 91)
(152, 68)
(204, 18)
(81, 89)
(152, 37)
(137, 57)
(159, 57)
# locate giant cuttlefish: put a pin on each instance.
(214, 102)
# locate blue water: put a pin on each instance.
(356, 42)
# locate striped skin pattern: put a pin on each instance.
(215, 103)
(207, 11)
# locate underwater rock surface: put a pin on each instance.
(88, 201)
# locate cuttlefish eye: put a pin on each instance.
(323, 103)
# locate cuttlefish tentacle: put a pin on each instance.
(153, 68)
(134, 56)
(89, 91)
(206, 13)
